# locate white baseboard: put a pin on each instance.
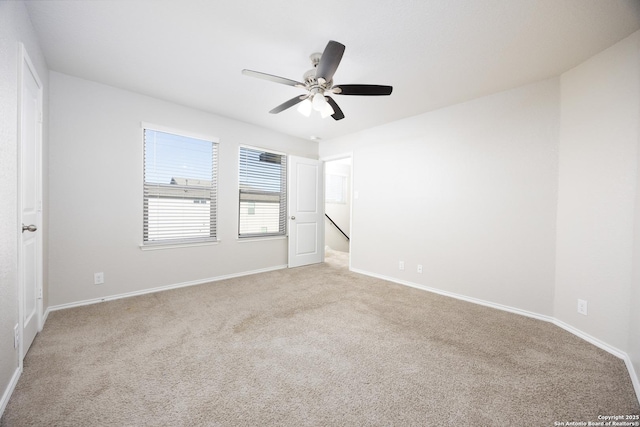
(595, 341)
(457, 296)
(634, 375)
(606, 347)
(598, 343)
(45, 316)
(9, 390)
(158, 289)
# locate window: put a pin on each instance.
(335, 188)
(179, 188)
(263, 193)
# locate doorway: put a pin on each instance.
(337, 174)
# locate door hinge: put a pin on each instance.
(40, 293)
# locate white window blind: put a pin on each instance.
(335, 188)
(263, 193)
(179, 188)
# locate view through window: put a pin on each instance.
(179, 188)
(263, 190)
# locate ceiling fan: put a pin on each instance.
(318, 82)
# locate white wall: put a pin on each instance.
(634, 300)
(96, 193)
(15, 28)
(599, 136)
(468, 191)
(528, 198)
(340, 213)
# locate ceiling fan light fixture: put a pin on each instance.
(305, 107)
(326, 111)
(319, 101)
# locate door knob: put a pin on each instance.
(293, 217)
(30, 228)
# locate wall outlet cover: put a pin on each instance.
(98, 278)
(582, 307)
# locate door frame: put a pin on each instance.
(347, 155)
(25, 65)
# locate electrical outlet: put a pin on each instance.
(401, 265)
(420, 268)
(16, 336)
(582, 307)
(98, 278)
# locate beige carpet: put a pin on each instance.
(312, 346)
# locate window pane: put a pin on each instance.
(170, 158)
(262, 193)
(179, 188)
(335, 188)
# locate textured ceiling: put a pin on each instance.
(433, 52)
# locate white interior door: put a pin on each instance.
(306, 212)
(30, 205)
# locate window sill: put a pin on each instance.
(259, 239)
(161, 246)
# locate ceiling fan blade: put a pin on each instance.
(337, 112)
(272, 78)
(329, 61)
(290, 103)
(366, 90)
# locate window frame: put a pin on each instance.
(213, 197)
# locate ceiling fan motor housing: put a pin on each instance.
(312, 85)
(310, 77)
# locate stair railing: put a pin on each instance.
(336, 226)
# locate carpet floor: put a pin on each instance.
(311, 346)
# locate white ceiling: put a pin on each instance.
(433, 52)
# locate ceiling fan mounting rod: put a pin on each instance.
(315, 58)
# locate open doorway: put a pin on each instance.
(337, 175)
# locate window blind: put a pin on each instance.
(335, 188)
(263, 193)
(180, 188)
